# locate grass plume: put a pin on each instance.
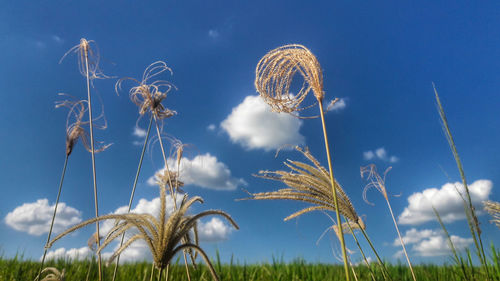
(273, 78)
(493, 208)
(378, 182)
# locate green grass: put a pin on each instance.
(19, 269)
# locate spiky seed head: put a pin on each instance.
(275, 72)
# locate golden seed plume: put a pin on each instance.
(54, 274)
(275, 72)
(307, 183)
(493, 208)
(87, 49)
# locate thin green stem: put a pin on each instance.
(474, 221)
(361, 251)
(401, 240)
(152, 271)
(98, 242)
(335, 199)
(133, 189)
(54, 214)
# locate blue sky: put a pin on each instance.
(379, 59)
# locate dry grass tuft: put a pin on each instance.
(308, 183)
(275, 73)
(149, 95)
(54, 274)
(75, 125)
(87, 52)
(163, 235)
(493, 208)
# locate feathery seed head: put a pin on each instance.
(307, 183)
(88, 57)
(493, 208)
(275, 73)
(375, 180)
(75, 124)
(149, 95)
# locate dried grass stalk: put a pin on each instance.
(75, 124)
(54, 274)
(307, 183)
(493, 208)
(275, 73)
(149, 95)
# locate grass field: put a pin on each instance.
(19, 269)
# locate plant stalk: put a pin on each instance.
(98, 242)
(133, 189)
(53, 215)
(335, 199)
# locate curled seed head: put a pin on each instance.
(275, 72)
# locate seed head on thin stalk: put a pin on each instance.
(378, 182)
(89, 49)
(148, 95)
(274, 76)
(75, 124)
(273, 79)
(54, 274)
(307, 183)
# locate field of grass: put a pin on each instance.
(18, 269)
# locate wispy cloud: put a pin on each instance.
(211, 127)
(446, 200)
(204, 171)
(34, 218)
(139, 132)
(72, 254)
(253, 125)
(379, 154)
(213, 33)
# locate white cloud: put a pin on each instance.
(214, 230)
(379, 154)
(338, 106)
(139, 132)
(73, 254)
(446, 200)
(429, 243)
(204, 171)
(34, 218)
(213, 33)
(211, 127)
(253, 125)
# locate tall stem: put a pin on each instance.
(335, 199)
(172, 191)
(133, 189)
(401, 239)
(361, 250)
(53, 215)
(93, 161)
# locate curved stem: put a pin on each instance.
(133, 189)
(335, 199)
(54, 214)
(98, 242)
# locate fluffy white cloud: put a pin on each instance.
(338, 106)
(253, 125)
(73, 254)
(34, 218)
(446, 200)
(214, 230)
(379, 154)
(204, 171)
(429, 243)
